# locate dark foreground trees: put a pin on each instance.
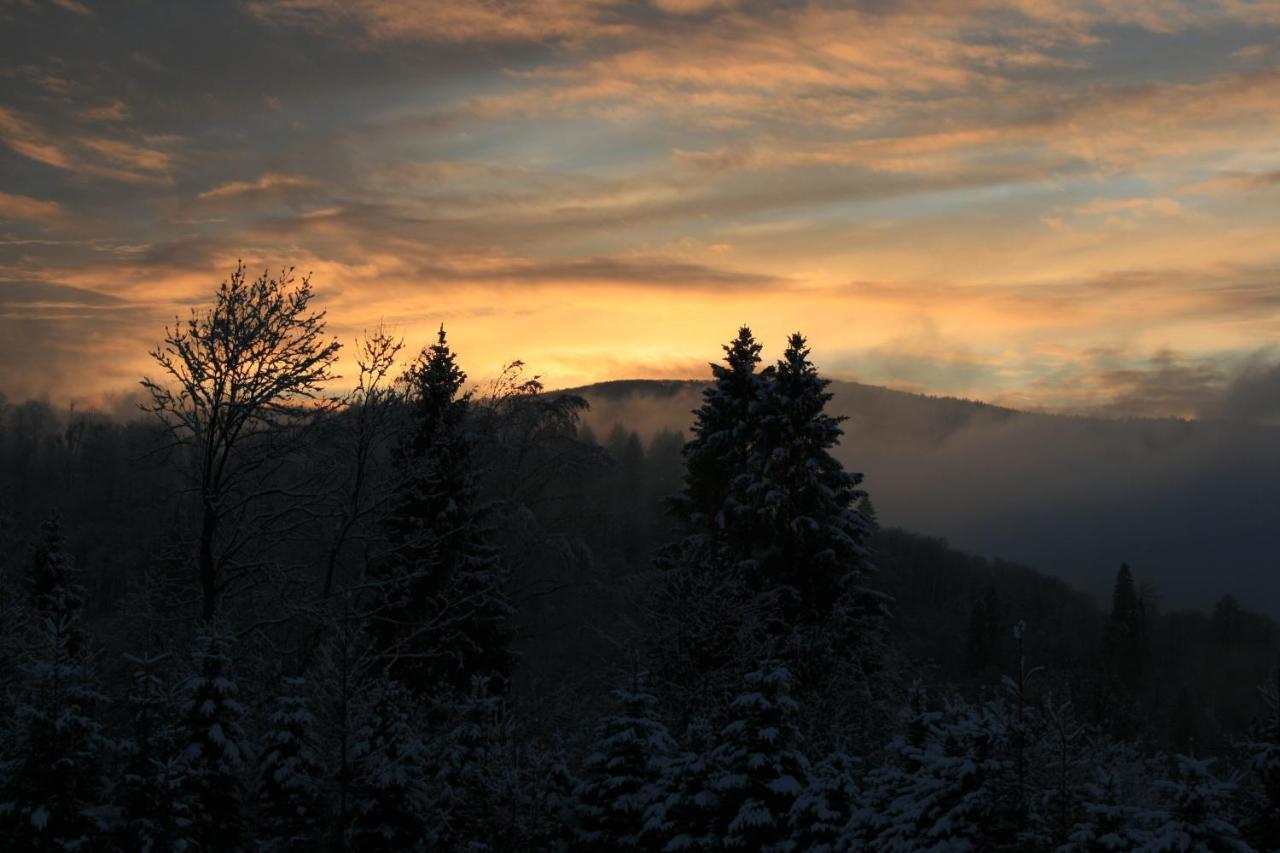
(751, 688)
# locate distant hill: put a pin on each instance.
(1192, 506)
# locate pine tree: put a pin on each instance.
(445, 614)
(1197, 812)
(50, 796)
(622, 776)
(389, 785)
(291, 808)
(212, 747)
(759, 770)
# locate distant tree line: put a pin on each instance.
(429, 615)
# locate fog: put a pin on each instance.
(1192, 506)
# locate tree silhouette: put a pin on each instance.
(240, 380)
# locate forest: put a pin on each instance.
(254, 613)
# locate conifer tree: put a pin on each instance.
(445, 614)
(1125, 641)
(53, 586)
(1264, 763)
(759, 770)
(290, 804)
(50, 795)
(820, 813)
(682, 817)
(149, 812)
(473, 783)
(1197, 813)
(797, 497)
(946, 790)
(389, 785)
(212, 754)
(1108, 823)
(622, 776)
(725, 430)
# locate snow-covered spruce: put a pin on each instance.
(212, 748)
(758, 769)
(621, 777)
(290, 808)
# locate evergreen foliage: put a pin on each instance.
(759, 770)
(291, 808)
(621, 778)
(212, 757)
(444, 613)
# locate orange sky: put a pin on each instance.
(1070, 205)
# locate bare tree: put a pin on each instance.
(242, 384)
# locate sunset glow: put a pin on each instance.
(1062, 205)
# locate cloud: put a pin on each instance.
(23, 208)
(97, 156)
(268, 182)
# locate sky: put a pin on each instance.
(1068, 205)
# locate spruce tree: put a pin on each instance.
(947, 790)
(682, 817)
(759, 770)
(1264, 763)
(1108, 823)
(801, 503)
(50, 796)
(149, 812)
(290, 804)
(1197, 815)
(725, 430)
(622, 776)
(212, 748)
(53, 586)
(820, 813)
(390, 768)
(473, 784)
(1125, 647)
(445, 615)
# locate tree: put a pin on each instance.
(52, 786)
(290, 806)
(820, 813)
(53, 586)
(242, 381)
(444, 614)
(1264, 762)
(946, 790)
(622, 774)
(1197, 811)
(389, 784)
(724, 433)
(759, 770)
(212, 747)
(149, 812)
(1108, 823)
(809, 536)
(1125, 642)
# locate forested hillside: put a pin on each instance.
(429, 615)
